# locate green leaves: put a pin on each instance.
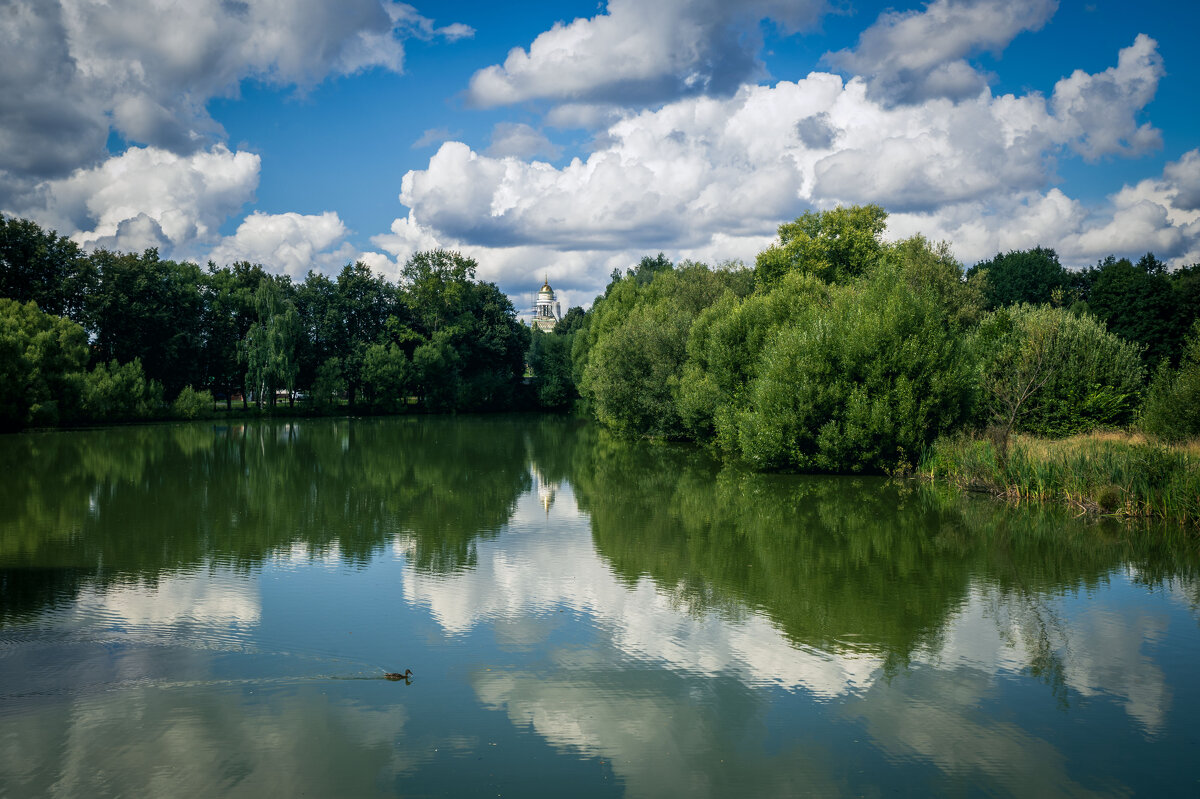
(1047, 371)
(833, 246)
(269, 349)
(42, 359)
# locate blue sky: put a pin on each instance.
(566, 139)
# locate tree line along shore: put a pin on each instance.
(835, 352)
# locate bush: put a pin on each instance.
(862, 382)
(116, 392)
(1172, 407)
(1052, 373)
(638, 345)
(192, 404)
(42, 358)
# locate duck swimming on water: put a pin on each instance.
(406, 676)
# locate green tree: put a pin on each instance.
(1029, 276)
(322, 329)
(42, 359)
(229, 312)
(833, 245)
(388, 377)
(473, 341)
(116, 392)
(636, 345)
(725, 345)
(571, 321)
(42, 267)
(1047, 371)
(365, 301)
(1136, 301)
(328, 386)
(152, 310)
(550, 361)
(436, 283)
(269, 349)
(1172, 407)
(861, 382)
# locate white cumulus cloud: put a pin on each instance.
(290, 243)
(711, 177)
(912, 56)
(638, 52)
(149, 197)
(75, 68)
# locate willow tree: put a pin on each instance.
(269, 348)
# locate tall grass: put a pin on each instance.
(1120, 474)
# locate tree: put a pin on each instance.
(229, 312)
(322, 330)
(1029, 276)
(365, 301)
(42, 267)
(116, 392)
(1172, 408)
(328, 386)
(387, 375)
(1051, 372)
(861, 381)
(1136, 301)
(42, 359)
(636, 346)
(269, 349)
(833, 245)
(550, 361)
(152, 310)
(473, 341)
(435, 283)
(571, 321)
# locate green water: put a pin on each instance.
(208, 610)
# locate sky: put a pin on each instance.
(566, 139)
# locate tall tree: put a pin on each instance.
(42, 358)
(269, 349)
(229, 311)
(1030, 276)
(833, 245)
(152, 310)
(42, 267)
(365, 301)
(1136, 301)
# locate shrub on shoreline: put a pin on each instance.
(1122, 474)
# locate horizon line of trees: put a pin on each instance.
(835, 351)
(109, 336)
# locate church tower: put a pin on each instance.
(546, 310)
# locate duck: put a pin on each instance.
(406, 676)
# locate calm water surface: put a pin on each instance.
(208, 610)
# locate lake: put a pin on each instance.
(208, 609)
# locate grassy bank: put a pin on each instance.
(1120, 474)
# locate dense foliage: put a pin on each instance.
(42, 358)
(1050, 372)
(841, 352)
(1172, 408)
(162, 337)
(838, 351)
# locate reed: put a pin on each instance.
(1112, 473)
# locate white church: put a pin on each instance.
(546, 309)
